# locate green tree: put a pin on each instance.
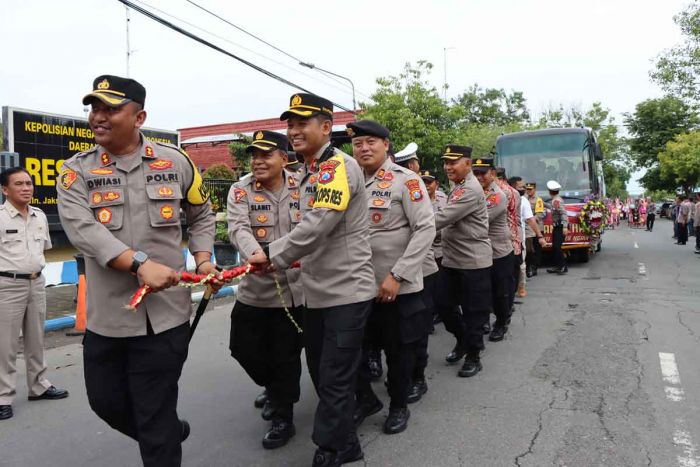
(220, 172)
(490, 106)
(677, 70)
(412, 109)
(654, 123)
(680, 161)
(239, 157)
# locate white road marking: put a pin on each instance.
(636, 245)
(674, 392)
(642, 269)
(682, 438)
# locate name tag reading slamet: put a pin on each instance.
(260, 207)
(103, 181)
(162, 177)
(329, 195)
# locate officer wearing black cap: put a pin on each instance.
(401, 231)
(501, 243)
(120, 205)
(265, 339)
(466, 275)
(332, 242)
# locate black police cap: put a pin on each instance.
(267, 141)
(428, 175)
(453, 152)
(482, 163)
(308, 105)
(367, 128)
(116, 91)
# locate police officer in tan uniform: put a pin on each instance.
(401, 231)
(467, 259)
(332, 243)
(262, 207)
(120, 204)
(501, 244)
(560, 228)
(24, 235)
(534, 249)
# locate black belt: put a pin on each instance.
(12, 275)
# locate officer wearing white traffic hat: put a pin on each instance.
(408, 157)
(560, 224)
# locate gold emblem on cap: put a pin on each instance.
(350, 132)
(104, 84)
(449, 149)
(259, 135)
(296, 100)
(478, 162)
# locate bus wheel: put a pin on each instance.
(582, 255)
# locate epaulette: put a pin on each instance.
(245, 180)
(85, 153)
(397, 168)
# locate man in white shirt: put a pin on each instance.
(526, 217)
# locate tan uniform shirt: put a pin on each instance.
(108, 204)
(464, 222)
(439, 202)
(537, 206)
(696, 218)
(559, 215)
(499, 230)
(23, 241)
(256, 217)
(331, 243)
(402, 226)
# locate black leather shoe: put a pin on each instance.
(416, 391)
(456, 355)
(528, 273)
(364, 409)
(327, 458)
(268, 410)
(553, 270)
(185, 430)
(51, 393)
(280, 433)
(5, 412)
(397, 421)
(260, 400)
(486, 328)
(498, 333)
(471, 366)
(534, 271)
(374, 361)
(352, 453)
(563, 270)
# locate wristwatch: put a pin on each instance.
(397, 277)
(139, 258)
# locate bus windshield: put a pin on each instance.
(539, 158)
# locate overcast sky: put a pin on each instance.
(555, 51)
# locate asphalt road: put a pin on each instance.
(599, 369)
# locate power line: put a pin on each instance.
(194, 37)
(343, 89)
(296, 59)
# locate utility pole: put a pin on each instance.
(128, 42)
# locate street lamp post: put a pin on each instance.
(444, 61)
(352, 85)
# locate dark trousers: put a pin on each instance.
(428, 294)
(131, 384)
(682, 233)
(534, 253)
(448, 307)
(515, 277)
(557, 242)
(651, 217)
(501, 286)
(691, 228)
(333, 341)
(697, 237)
(471, 290)
(268, 346)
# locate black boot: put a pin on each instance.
(528, 271)
(374, 361)
(397, 421)
(268, 410)
(280, 433)
(416, 391)
(486, 328)
(498, 333)
(260, 400)
(457, 353)
(365, 407)
(471, 366)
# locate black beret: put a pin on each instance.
(453, 152)
(367, 128)
(308, 105)
(116, 91)
(267, 141)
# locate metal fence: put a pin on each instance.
(218, 191)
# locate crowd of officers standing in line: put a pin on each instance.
(384, 255)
